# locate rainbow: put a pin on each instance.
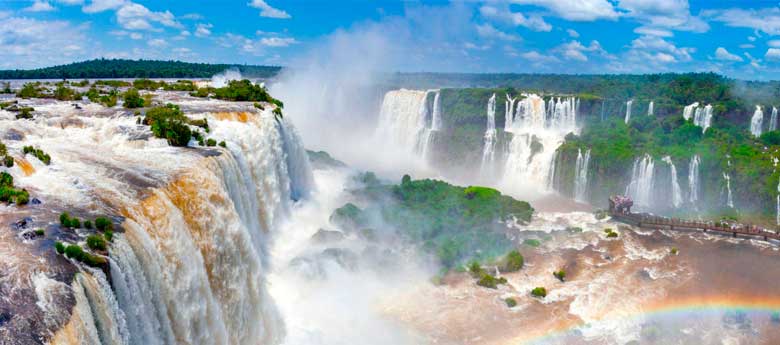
(687, 304)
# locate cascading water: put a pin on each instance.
(693, 179)
(729, 199)
(581, 175)
(628, 110)
(702, 117)
(489, 148)
(403, 120)
(773, 120)
(689, 109)
(536, 131)
(640, 189)
(436, 114)
(510, 110)
(757, 121)
(650, 109)
(677, 198)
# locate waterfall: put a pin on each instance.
(650, 109)
(689, 109)
(581, 175)
(773, 120)
(702, 117)
(729, 199)
(693, 179)
(489, 148)
(404, 120)
(756, 121)
(628, 110)
(436, 115)
(640, 189)
(677, 198)
(509, 105)
(537, 129)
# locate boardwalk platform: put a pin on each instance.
(643, 220)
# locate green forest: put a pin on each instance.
(121, 68)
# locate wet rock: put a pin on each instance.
(308, 268)
(22, 223)
(13, 134)
(342, 256)
(4, 318)
(327, 236)
(35, 201)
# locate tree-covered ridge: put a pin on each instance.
(455, 223)
(122, 68)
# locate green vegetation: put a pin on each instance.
(211, 142)
(38, 153)
(68, 222)
(25, 113)
(510, 302)
(31, 90)
(75, 252)
(169, 123)
(512, 262)
(490, 281)
(532, 242)
(8, 161)
(39, 232)
(64, 93)
(539, 292)
(59, 247)
(109, 235)
(120, 68)
(610, 233)
(103, 224)
(132, 99)
(674, 251)
(560, 274)
(222, 143)
(96, 242)
(10, 194)
(87, 224)
(244, 90)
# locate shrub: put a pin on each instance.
(513, 261)
(539, 292)
(133, 99)
(6, 180)
(202, 92)
(259, 106)
(75, 223)
(222, 143)
(59, 247)
(532, 242)
(488, 281)
(25, 113)
(22, 197)
(38, 153)
(87, 224)
(211, 142)
(169, 123)
(65, 219)
(8, 161)
(561, 275)
(96, 242)
(39, 232)
(476, 270)
(29, 90)
(64, 93)
(612, 235)
(109, 235)
(278, 112)
(103, 224)
(74, 252)
(242, 90)
(93, 260)
(674, 251)
(3, 149)
(510, 302)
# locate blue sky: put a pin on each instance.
(736, 38)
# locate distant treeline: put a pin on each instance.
(121, 68)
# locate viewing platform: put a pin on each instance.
(620, 210)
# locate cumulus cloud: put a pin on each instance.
(268, 11)
(277, 41)
(572, 33)
(505, 15)
(23, 40)
(766, 20)
(772, 54)
(490, 32)
(581, 10)
(254, 46)
(157, 42)
(664, 14)
(575, 50)
(134, 16)
(724, 55)
(773, 43)
(651, 31)
(96, 6)
(653, 51)
(747, 46)
(203, 30)
(40, 6)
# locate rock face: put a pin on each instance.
(327, 236)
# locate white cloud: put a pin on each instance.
(488, 31)
(765, 20)
(268, 11)
(756, 63)
(157, 42)
(133, 16)
(772, 54)
(136, 36)
(665, 14)
(773, 43)
(472, 46)
(23, 39)
(751, 38)
(203, 30)
(40, 6)
(580, 10)
(277, 41)
(504, 14)
(650, 31)
(102, 5)
(656, 49)
(724, 55)
(575, 50)
(193, 16)
(572, 33)
(747, 46)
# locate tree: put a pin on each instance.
(133, 99)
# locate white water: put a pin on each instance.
(581, 176)
(689, 109)
(509, 107)
(489, 146)
(403, 121)
(757, 121)
(729, 199)
(702, 117)
(773, 120)
(222, 79)
(641, 187)
(650, 108)
(436, 115)
(693, 179)
(628, 110)
(537, 131)
(677, 198)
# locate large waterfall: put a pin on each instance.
(693, 180)
(689, 109)
(640, 189)
(773, 120)
(702, 117)
(404, 120)
(489, 147)
(677, 198)
(650, 108)
(189, 266)
(757, 121)
(581, 175)
(628, 110)
(537, 129)
(509, 107)
(729, 198)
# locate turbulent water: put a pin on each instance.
(581, 175)
(405, 120)
(757, 121)
(191, 263)
(677, 198)
(489, 146)
(702, 116)
(641, 187)
(536, 132)
(693, 180)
